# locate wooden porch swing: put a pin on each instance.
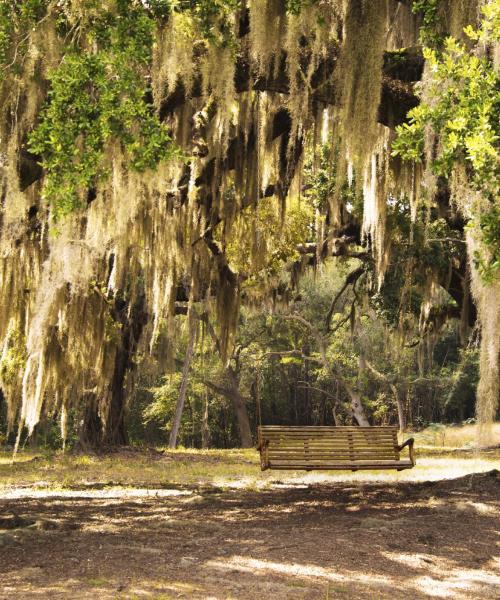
(340, 448)
(332, 448)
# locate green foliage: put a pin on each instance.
(429, 31)
(462, 108)
(96, 98)
(273, 240)
(321, 177)
(214, 18)
(323, 183)
(164, 399)
(16, 18)
(160, 8)
(489, 225)
(159, 408)
(490, 30)
(411, 136)
(434, 247)
(294, 7)
(5, 31)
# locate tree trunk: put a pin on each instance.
(90, 427)
(205, 430)
(115, 432)
(174, 432)
(334, 415)
(399, 403)
(401, 408)
(240, 409)
(233, 393)
(358, 411)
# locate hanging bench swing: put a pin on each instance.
(284, 447)
(332, 448)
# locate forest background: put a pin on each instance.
(273, 229)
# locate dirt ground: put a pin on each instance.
(406, 540)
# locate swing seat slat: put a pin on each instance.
(332, 448)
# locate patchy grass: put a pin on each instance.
(151, 468)
(127, 467)
(438, 437)
(97, 582)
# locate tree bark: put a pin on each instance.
(90, 430)
(115, 432)
(233, 392)
(181, 400)
(205, 429)
(357, 408)
(240, 409)
(399, 403)
(400, 407)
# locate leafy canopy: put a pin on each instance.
(461, 107)
(95, 98)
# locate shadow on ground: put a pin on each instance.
(406, 540)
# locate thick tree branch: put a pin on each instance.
(350, 279)
(357, 407)
(390, 382)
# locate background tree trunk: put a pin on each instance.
(240, 409)
(90, 428)
(239, 404)
(115, 433)
(399, 403)
(174, 432)
(205, 429)
(358, 411)
(400, 407)
(233, 392)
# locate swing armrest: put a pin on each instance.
(262, 448)
(409, 442)
(262, 445)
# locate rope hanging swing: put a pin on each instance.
(339, 448)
